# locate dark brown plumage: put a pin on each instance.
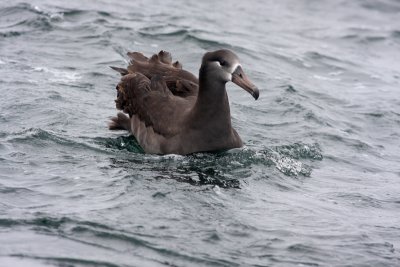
(171, 111)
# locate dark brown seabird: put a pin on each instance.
(171, 111)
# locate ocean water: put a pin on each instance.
(316, 184)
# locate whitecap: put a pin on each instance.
(323, 78)
(57, 16)
(59, 75)
(217, 190)
(173, 157)
(36, 8)
(288, 166)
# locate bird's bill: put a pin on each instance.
(241, 79)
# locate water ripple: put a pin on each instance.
(318, 175)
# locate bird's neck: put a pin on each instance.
(212, 104)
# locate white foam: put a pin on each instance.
(37, 9)
(323, 78)
(217, 190)
(58, 75)
(57, 16)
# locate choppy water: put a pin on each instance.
(317, 184)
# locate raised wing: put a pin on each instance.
(180, 82)
(155, 93)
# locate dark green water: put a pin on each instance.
(317, 183)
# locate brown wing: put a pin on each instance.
(156, 91)
(180, 82)
(152, 102)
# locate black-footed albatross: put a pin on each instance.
(171, 111)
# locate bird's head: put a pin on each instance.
(225, 66)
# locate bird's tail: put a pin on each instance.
(120, 122)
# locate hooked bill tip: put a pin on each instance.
(256, 93)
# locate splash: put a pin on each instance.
(226, 169)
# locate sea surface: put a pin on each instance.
(316, 184)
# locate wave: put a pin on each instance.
(59, 75)
(99, 237)
(25, 18)
(187, 35)
(8, 34)
(42, 138)
(218, 168)
(19, 8)
(34, 18)
(385, 7)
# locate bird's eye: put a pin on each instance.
(223, 63)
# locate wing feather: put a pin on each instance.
(152, 90)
